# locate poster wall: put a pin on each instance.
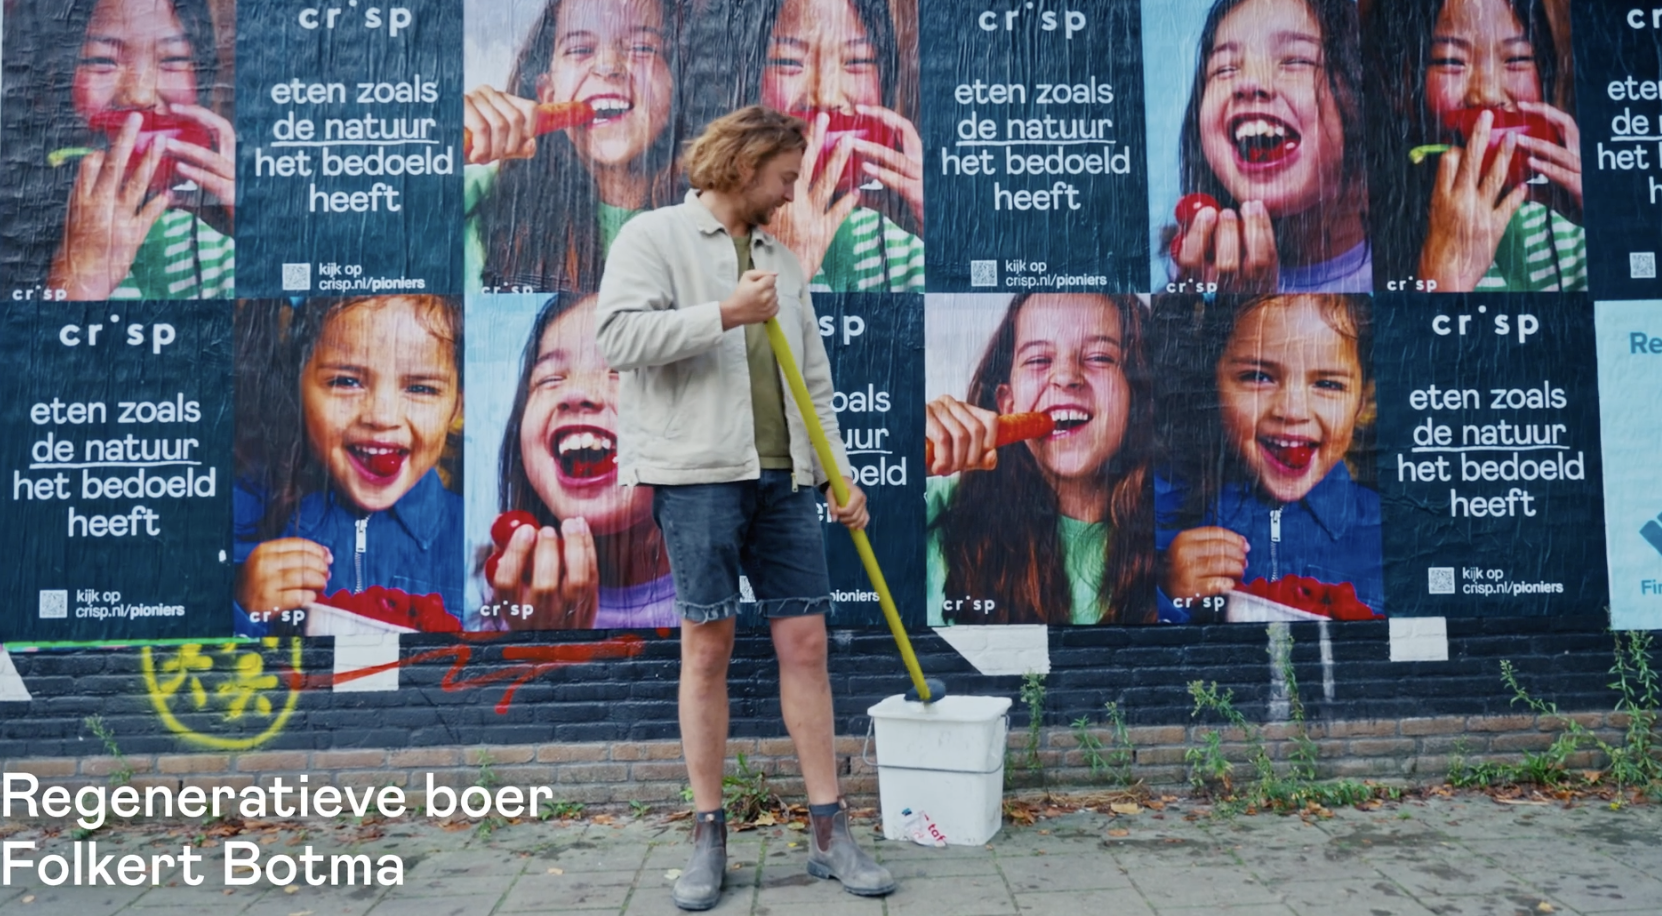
(1155, 313)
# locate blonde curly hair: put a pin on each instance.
(733, 147)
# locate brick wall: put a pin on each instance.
(605, 730)
(1416, 750)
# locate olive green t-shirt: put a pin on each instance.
(767, 395)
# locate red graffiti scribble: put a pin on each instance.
(535, 660)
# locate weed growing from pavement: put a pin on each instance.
(1116, 762)
(561, 810)
(1632, 764)
(1033, 694)
(1211, 772)
(488, 779)
(745, 793)
(123, 773)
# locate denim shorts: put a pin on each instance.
(769, 529)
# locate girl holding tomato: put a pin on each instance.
(1271, 153)
(571, 549)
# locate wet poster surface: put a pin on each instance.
(1137, 313)
(118, 423)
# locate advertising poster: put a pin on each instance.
(1257, 180)
(1489, 456)
(573, 110)
(352, 148)
(1619, 78)
(1055, 527)
(1630, 387)
(348, 510)
(120, 175)
(552, 541)
(850, 69)
(1443, 79)
(1033, 127)
(876, 347)
(1265, 504)
(1192, 312)
(118, 508)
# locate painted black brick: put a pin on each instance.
(1146, 670)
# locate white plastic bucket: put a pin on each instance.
(945, 758)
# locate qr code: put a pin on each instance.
(1439, 580)
(54, 603)
(1641, 265)
(983, 273)
(297, 278)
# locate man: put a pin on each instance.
(704, 419)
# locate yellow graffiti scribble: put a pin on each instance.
(239, 682)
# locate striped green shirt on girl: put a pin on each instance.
(182, 258)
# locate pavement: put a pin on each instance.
(1462, 855)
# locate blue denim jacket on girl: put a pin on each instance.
(1332, 534)
(416, 545)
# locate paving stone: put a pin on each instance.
(968, 895)
(1327, 898)
(434, 906)
(1193, 886)
(1436, 882)
(1123, 902)
(1063, 873)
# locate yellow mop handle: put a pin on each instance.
(828, 460)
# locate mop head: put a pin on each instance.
(937, 689)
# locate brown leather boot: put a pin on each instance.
(699, 886)
(834, 854)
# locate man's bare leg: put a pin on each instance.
(706, 649)
(805, 699)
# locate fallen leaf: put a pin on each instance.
(1119, 831)
(556, 870)
(1544, 907)
(672, 874)
(797, 825)
(736, 866)
(292, 888)
(228, 891)
(1125, 808)
(602, 819)
(766, 820)
(1157, 805)
(28, 898)
(793, 845)
(301, 913)
(1519, 801)
(1044, 833)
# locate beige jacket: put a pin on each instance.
(684, 412)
